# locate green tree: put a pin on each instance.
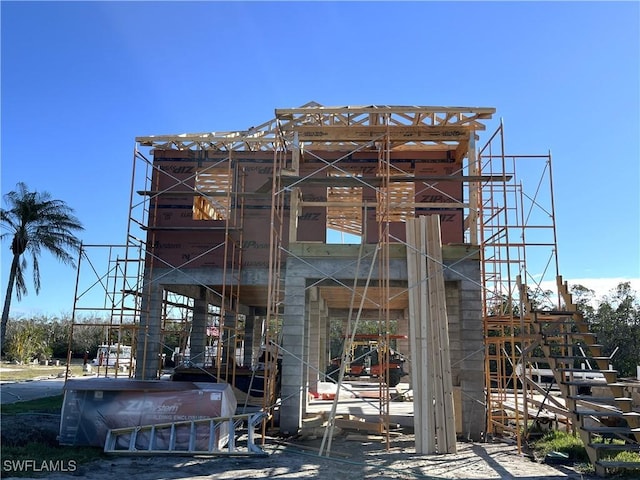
(615, 319)
(34, 222)
(28, 341)
(584, 298)
(618, 327)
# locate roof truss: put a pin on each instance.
(339, 128)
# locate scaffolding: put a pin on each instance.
(316, 147)
(200, 190)
(518, 239)
(310, 152)
(106, 307)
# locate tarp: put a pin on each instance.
(93, 406)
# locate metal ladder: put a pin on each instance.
(189, 437)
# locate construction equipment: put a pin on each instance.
(365, 353)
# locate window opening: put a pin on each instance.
(214, 186)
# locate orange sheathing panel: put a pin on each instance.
(312, 221)
(451, 222)
(178, 247)
(187, 249)
(437, 191)
(312, 225)
(256, 237)
(174, 174)
(195, 249)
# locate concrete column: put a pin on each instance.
(148, 341)
(313, 365)
(293, 343)
(402, 344)
(258, 330)
(198, 339)
(452, 294)
(472, 361)
(229, 337)
(250, 322)
(323, 339)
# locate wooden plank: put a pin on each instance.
(438, 317)
(471, 222)
(443, 328)
(445, 409)
(294, 211)
(457, 404)
(337, 204)
(427, 346)
(405, 133)
(332, 181)
(435, 346)
(416, 363)
(354, 423)
(355, 437)
(422, 396)
(375, 110)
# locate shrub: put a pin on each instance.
(561, 442)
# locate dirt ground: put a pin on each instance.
(353, 456)
(473, 461)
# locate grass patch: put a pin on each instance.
(45, 405)
(14, 373)
(29, 441)
(39, 460)
(561, 442)
(629, 457)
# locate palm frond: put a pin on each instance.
(36, 222)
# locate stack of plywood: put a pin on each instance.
(434, 418)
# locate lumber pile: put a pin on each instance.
(434, 417)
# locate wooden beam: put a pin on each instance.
(443, 205)
(331, 181)
(396, 250)
(445, 408)
(354, 423)
(377, 181)
(422, 412)
(294, 211)
(403, 133)
(482, 112)
(471, 222)
(462, 150)
(194, 192)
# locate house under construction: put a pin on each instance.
(236, 244)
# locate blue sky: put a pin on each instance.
(80, 80)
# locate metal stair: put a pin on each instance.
(595, 400)
(219, 436)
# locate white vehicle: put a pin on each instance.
(210, 354)
(545, 377)
(114, 356)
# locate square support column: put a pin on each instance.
(149, 335)
(313, 365)
(293, 342)
(323, 339)
(198, 338)
(402, 344)
(472, 361)
(252, 337)
(229, 338)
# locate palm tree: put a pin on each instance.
(35, 222)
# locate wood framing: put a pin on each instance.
(434, 414)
